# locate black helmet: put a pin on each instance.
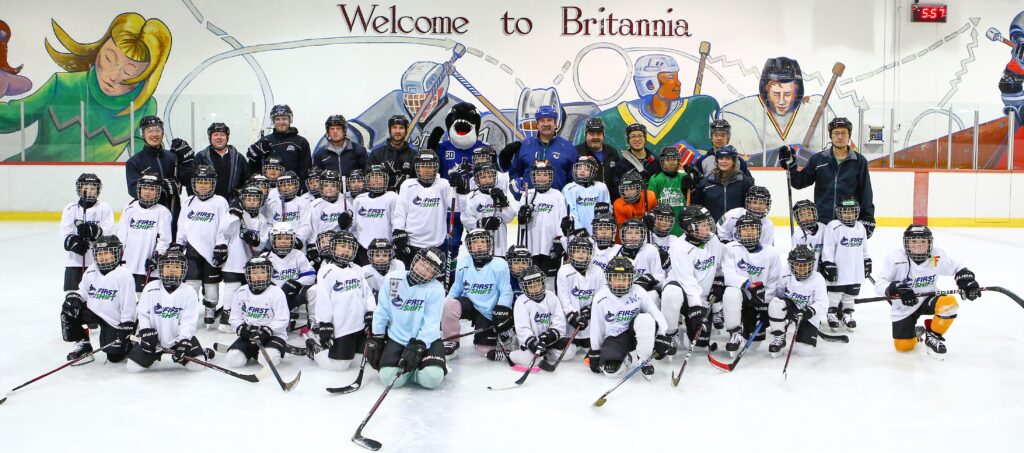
(217, 127)
(848, 210)
(755, 194)
(88, 179)
(748, 221)
(631, 179)
(426, 159)
(518, 254)
(633, 127)
(431, 260)
(204, 173)
(532, 283)
(630, 241)
(258, 285)
(720, 125)
(621, 267)
(594, 124)
(801, 262)
(152, 181)
(335, 120)
(281, 110)
(840, 122)
(604, 228)
(251, 198)
(663, 212)
(581, 244)
(485, 155)
(399, 120)
(174, 257)
(542, 167)
(585, 161)
(690, 221)
(344, 247)
(480, 257)
(380, 253)
(107, 243)
(481, 170)
(149, 121)
(917, 232)
(805, 206)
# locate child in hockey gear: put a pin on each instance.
(540, 323)
(259, 316)
(421, 214)
(756, 204)
(663, 229)
(605, 230)
(294, 210)
(373, 211)
(751, 271)
(81, 222)
(811, 232)
(344, 307)
(691, 281)
(646, 258)
(409, 314)
(844, 262)
(319, 251)
(382, 261)
(913, 270)
(292, 272)
(584, 193)
(488, 206)
(312, 185)
(518, 258)
(106, 297)
(325, 212)
(633, 201)
(481, 284)
(242, 233)
(166, 316)
(356, 184)
(542, 216)
(576, 285)
(801, 298)
(273, 168)
(626, 327)
(145, 229)
(673, 183)
(198, 228)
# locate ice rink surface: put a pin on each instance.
(861, 396)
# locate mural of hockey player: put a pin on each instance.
(1011, 84)
(570, 117)
(778, 115)
(670, 118)
(370, 128)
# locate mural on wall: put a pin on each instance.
(125, 65)
(109, 74)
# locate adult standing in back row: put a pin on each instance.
(836, 172)
(547, 145)
(285, 143)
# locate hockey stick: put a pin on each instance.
(705, 49)
(245, 377)
(796, 330)
(508, 355)
(359, 377)
(789, 193)
(525, 375)
(69, 363)
(676, 378)
(447, 69)
(604, 398)
(732, 366)
(487, 104)
(834, 338)
(997, 289)
(222, 348)
(286, 386)
(461, 335)
(358, 438)
(837, 71)
(566, 348)
(85, 217)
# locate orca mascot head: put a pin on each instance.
(463, 125)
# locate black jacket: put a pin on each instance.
(228, 182)
(158, 161)
(616, 168)
(401, 158)
(608, 155)
(293, 149)
(834, 180)
(718, 196)
(353, 155)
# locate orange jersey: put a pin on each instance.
(625, 211)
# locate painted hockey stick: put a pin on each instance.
(705, 49)
(447, 68)
(487, 104)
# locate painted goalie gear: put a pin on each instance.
(418, 82)
(282, 238)
(149, 181)
(801, 262)
(380, 253)
(646, 70)
(619, 275)
(532, 283)
(758, 201)
(748, 231)
(782, 70)
(88, 180)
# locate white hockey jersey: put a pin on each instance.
(296, 213)
(923, 278)
(534, 318)
(110, 296)
(293, 266)
(172, 315)
(423, 212)
(371, 217)
(143, 231)
(611, 315)
(576, 290)
(374, 278)
(727, 227)
(603, 256)
(548, 210)
(268, 308)
(239, 251)
(72, 215)
(343, 297)
(665, 242)
(847, 247)
(814, 241)
(479, 205)
(740, 265)
(648, 261)
(199, 221)
(323, 216)
(694, 268)
(812, 291)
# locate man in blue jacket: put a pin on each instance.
(835, 172)
(339, 153)
(545, 146)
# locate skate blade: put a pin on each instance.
(84, 361)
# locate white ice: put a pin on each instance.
(862, 396)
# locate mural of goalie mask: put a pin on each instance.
(532, 99)
(782, 85)
(1011, 84)
(463, 125)
(422, 78)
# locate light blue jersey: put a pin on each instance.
(485, 287)
(581, 201)
(407, 311)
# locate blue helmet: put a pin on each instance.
(727, 151)
(546, 111)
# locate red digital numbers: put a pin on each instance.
(928, 13)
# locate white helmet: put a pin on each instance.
(417, 83)
(279, 229)
(646, 70)
(532, 99)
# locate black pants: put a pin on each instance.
(346, 346)
(750, 317)
(200, 269)
(251, 350)
(614, 349)
(73, 331)
(146, 359)
(72, 277)
(479, 321)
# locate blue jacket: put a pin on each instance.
(718, 196)
(352, 156)
(559, 151)
(833, 180)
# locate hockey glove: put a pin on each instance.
(326, 333)
(691, 179)
(88, 230)
(869, 227)
(489, 223)
(662, 344)
(345, 220)
(259, 150)
(696, 314)
(151, 263)
(413, 354)
(533, 345)
(368, 321)
(548, 338)
(236, 210)
(220, 255)
(594, 360)
(754, 293)
(244, 332)
(76, 244)
(72, 306)
(525, 214)
(401, 241)
(829, 271)
(120, 345)
(903, 291)
(785, 154)
(459, 183)
(261, 334)
(313, 256)
(566, 225)
(867, 267)
(297, 243)
(374, 350)
(149, 340)
(717, 289)
(291, 290)
(647, 282)
(557, 251)
(250, 237)
(182, 151)
(602, 208)
(499, 198)
(967, 284)
(502, 317)
(649, 221)
(185, 348)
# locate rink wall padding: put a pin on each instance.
(952, 198)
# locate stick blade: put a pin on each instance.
(366, 443)
(675, 379)
(289, 386)
(262, 373)
(600, 402)
(2, 401)
(838, 68)
(721, 366)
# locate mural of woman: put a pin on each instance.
(123, 66)
(11, 84)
